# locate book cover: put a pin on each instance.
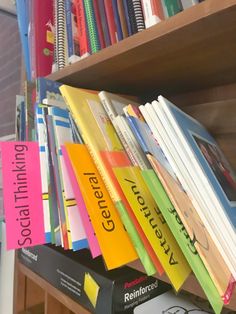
(154, 225)
(22, 194)
(44, 169)
(48, 93)
(61, 35)
(71, 158)
(184, 207)
(42, 29)
(143, 248)
(22, 9)
(185, 242)
(61, 229)
(211, 175)
(103, 214)
(223, 249)
(94, 139)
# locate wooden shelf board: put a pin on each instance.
(191, 285)
(60, 296)
(192, 50)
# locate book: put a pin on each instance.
(22, 9)
(44, 169)
(71, 32)
(156, 128)
(102, 12)
(71, 159)
(128, 21)
(117, 20)
(102, 212)
(41, 27)
(91, 26)
(101, 143)
(153, 12)
(132, 19)
(99, 24)
(172, 7)
(138, 13)
(188, 215)
(211, 171)
(111, 21)
(82, 31)
(61, 35)
(153, 224)
(123, 23)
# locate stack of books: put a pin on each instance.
(127, 181)
(68, 30)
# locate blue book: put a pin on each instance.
(126, 9)
(22, 8)
(104, 22)
(69, 33)
(48, 93)
(117, 20)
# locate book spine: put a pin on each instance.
(99, 24)
(105, 28)
(68, 10)
(132, 18)
(91, 26)
(82, 33)
(123, 23)
(138, 13)
(111, 21)
(117, 20)
(173, 7)
(151, 15)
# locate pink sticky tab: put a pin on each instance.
(22, 194)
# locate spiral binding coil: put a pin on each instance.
(138, 13)
(60, 34)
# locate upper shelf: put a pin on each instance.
(192, 50)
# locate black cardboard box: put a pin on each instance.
(86, 280)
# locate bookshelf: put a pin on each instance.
(190, 59)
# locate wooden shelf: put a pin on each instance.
(52, 292)
(192, 50)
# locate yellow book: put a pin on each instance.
(154, 225)
(103, 143)
(107, 225)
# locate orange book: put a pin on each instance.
(107, 225)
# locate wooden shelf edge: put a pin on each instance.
(191, 285)
(60, 296)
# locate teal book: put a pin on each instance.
(91, 26)
(172, 7)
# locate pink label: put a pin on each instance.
(22, 194)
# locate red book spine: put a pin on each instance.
(111, 21)
(99, 24)
(43, 34)
(81, 24)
